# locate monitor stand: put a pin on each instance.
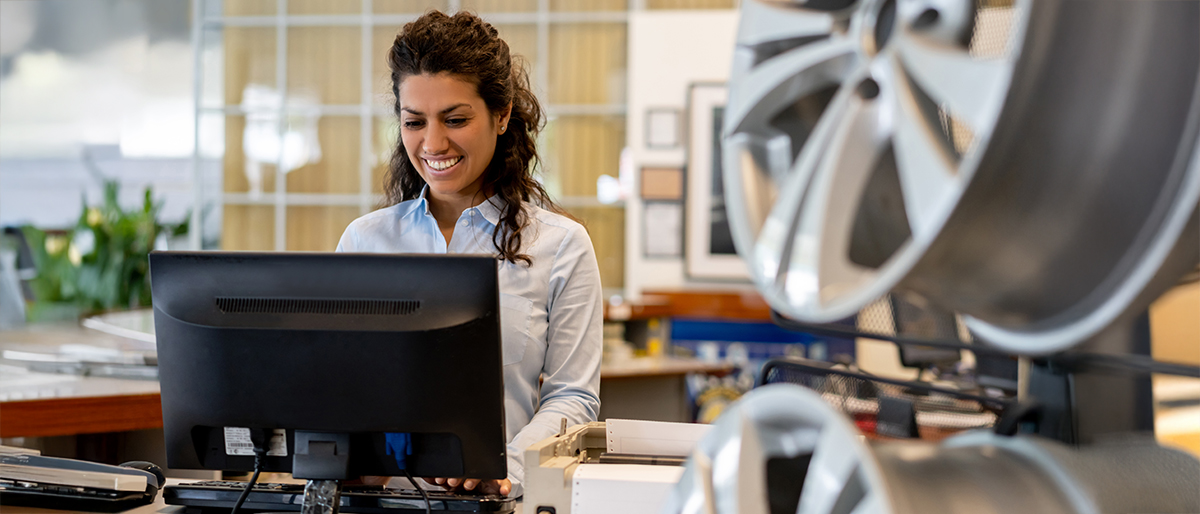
(323, 459)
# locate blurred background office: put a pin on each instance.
(131, 125)
(266, 125)
(127, 125)
(287, 141)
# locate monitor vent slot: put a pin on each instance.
(317, 306)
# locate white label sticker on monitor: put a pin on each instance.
(237, 442)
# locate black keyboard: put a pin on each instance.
(219, 496)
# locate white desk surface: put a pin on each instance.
(18, 383)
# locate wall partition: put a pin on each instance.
(301, 92)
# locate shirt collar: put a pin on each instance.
(419, 206)
(490, 209)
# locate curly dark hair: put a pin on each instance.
(469, 48)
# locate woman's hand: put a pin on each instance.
(501, 487)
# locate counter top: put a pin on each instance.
(37, 404)
(648, 367)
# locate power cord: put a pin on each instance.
(428, 507)
(259, 451)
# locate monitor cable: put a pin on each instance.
(428, 506)
(259, 451)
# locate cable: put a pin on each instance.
(258, 454)
(1136, 364)
(428, 507)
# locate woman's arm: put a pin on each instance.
(571, 371)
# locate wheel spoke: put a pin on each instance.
(774, 245)
(969, 88)
(924, 162)
(749, 193)
(828, 473)
(823, 227)
(760, 95)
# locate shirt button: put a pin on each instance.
(464, 223)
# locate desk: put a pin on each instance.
(51, 404)
(651, 388)
(48, 404)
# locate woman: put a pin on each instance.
(460, 181)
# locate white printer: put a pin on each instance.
(626, 466)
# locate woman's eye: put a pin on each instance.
(456, 122)
(413, 124)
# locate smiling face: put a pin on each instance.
(449, 135)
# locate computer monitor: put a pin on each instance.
(331, 347)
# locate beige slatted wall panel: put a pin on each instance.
(587, 5)
(487, 6)
(691, 4)
(387, 130)
(585, 148)
(324, 64)
(249, 7)
(522, 41)
(317, 228)
(235, 160)
(587, 66)
(323, 7)
(606, 227)
(249, 59)
(587, 63)
(337, 171)
(407, 6)
(248, 227)
(381, 79)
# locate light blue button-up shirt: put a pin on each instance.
(550, 310)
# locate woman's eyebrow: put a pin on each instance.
(444, 111)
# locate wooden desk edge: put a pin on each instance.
(80, 415)
(711, 369)
(739, 305)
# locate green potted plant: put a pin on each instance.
(101, 263)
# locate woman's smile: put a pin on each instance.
(442, 164)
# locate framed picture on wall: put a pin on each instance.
(662, 127)
(708, 249)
